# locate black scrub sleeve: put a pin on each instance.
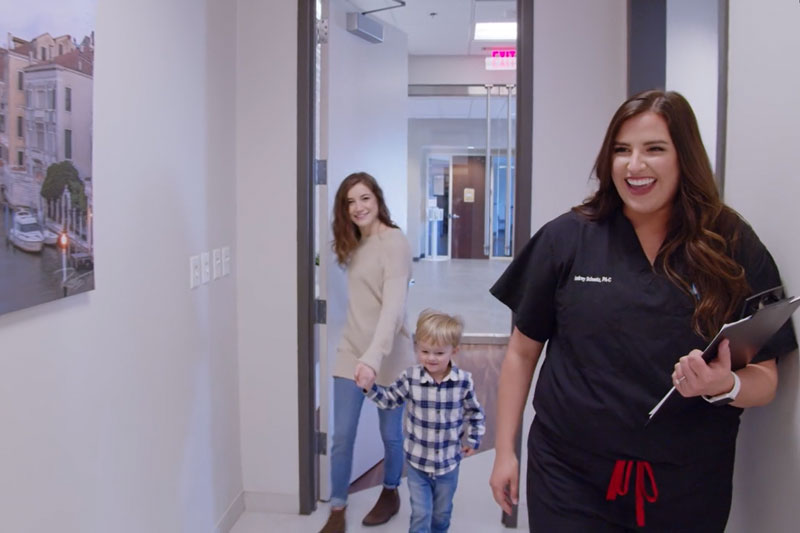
(528, 286)
(762, 274)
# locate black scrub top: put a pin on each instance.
(615, 329)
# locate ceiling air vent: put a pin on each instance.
(365, 27)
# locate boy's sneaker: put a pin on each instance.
(386, 507)
(335, 523)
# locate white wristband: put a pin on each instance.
(727, 397)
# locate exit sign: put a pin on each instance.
(502, 59)
(504, 53)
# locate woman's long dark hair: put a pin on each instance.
(702, 231)
(346, 234)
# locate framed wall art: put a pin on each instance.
(46, 223)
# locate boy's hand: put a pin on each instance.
(365, 376)
(468, 450)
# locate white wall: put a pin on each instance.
(119, 407)
(580, 78)
(762, 183)
(368, 130)
(692, 62)
(367, 109)
(266, 132)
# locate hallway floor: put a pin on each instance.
(460, 286)
(474, 510)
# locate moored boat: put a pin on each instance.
(26, 233)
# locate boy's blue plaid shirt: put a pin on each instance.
(435, 416)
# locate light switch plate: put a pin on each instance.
(194, 271)
(216, 263)
(205, 267)
(226, 260)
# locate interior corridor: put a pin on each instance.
(458, 286)
(474, 510)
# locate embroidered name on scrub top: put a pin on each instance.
(592, 279)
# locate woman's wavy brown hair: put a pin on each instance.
(702, 232)
(346, 234)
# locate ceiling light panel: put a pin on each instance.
(495, 31)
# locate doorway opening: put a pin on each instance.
(476, 181)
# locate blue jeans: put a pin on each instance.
(347, 400)
(431, 500)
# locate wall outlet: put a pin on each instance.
(194, 271)
(226, 260)
(205, 267)
(216, 263)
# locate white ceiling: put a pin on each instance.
(450, 30)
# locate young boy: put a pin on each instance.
(441, 400)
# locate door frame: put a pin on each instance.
(308, 460)
(491, 212)
(308, 445)
(449, 152)
(431, 154)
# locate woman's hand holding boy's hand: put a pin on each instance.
(694, 377)
(365, 376)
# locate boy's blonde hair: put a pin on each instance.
(438, 329)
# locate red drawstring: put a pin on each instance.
(618, 485)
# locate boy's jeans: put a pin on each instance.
(431, 500)
(347, 400)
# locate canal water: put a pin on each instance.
(28, 279)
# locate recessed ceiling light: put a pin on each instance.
(495, 31)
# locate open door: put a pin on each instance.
(358, 131)
(469, 185)
(323, 391)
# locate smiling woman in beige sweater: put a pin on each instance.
(375, 344)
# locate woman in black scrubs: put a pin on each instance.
(624, 289)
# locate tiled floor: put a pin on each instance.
(460, 286)
(474, 510)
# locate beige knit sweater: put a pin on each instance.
(376, 331)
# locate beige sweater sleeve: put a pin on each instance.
(397, 272)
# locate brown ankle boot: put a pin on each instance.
(386, 507)
(335, 523)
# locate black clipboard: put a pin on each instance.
(747, 335)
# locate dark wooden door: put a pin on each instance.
(469, 207)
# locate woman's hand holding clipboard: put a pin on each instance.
(749, 334)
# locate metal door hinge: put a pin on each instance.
(322, 31)
(320, 172)
(320, 312)
(322, 443)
